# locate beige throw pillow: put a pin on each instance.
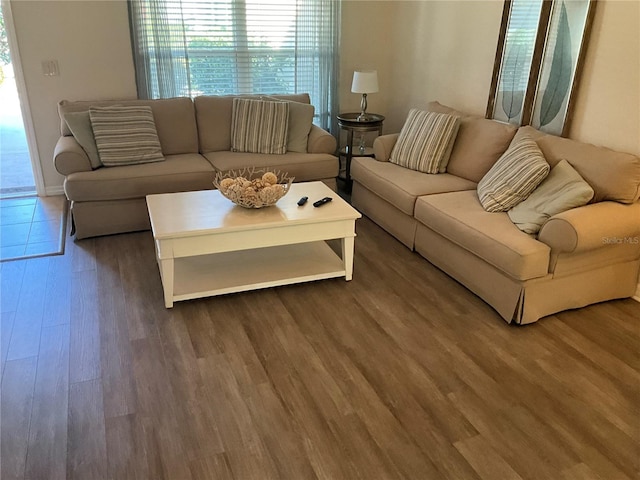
(125, 135)
(259, 126)
(513, 177)
(562, 190)
(425, 141)
(80, 125)
(300, 121)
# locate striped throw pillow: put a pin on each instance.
(259, 126)
(425, 141)
(513, 177)
(125, 135)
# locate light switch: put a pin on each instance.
(50, 68)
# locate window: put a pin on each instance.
(223, 47)
(540, 52)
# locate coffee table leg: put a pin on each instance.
(166, 272)
(347, 257)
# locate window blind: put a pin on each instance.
(517, 57)
(520, 41)
(222, 47)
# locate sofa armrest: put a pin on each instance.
(70, 157)
(321, 141)
(592, 226)
(383, 145)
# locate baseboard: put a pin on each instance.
(57, 190)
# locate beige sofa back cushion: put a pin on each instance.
(174, 118)
(613, 175)
(479, 144)
(213, 114)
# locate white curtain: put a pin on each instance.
(222, 47)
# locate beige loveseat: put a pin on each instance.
(581, 256)
(195, 140)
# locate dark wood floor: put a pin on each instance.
(401, 373)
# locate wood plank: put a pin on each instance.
(118, 384)
(278, 433)
(16, 397)
(85, 328)
(139, 280)
(6, 327)
(486, 461)
(211, 466)
(585, 350)
(580, 471)
(128, 455)
(157, 406)
(57, 303)
(86, 442)
(11, 275)
(25, 337)
(245, 451)
(47, 451)
(198, 429)
(501, 431)
(84, 255)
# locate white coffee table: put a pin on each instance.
(206, 245)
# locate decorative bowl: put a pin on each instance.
(253, 188)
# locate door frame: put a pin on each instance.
(27, 120)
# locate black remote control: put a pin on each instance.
(302, 201)
(322, 201)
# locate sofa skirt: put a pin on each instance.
(527, 301)
(92, 219)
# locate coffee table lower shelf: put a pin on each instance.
(238, 271)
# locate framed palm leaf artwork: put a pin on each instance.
(540, 52)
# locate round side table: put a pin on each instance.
(349, 122)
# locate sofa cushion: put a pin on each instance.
(174, 117)
(213, 114)
(479, 143)
(125, 135)
(459, 217)
(401, 186)
(425, 141)
(80, 125)
(303, 166)
(178, 173)
(259, 126)
(513, 177)
(563, 189)
(300, 121)
(613, 175)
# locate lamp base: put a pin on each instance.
(363, 117)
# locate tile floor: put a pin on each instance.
(31, 226)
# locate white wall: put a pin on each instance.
(608, 100)
(90, 41)
(423, 50)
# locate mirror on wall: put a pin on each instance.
(540, 51)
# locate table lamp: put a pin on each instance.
(364, 82)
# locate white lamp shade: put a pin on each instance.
(365, 82)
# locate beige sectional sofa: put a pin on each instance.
(195, 140)
(582, 256)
